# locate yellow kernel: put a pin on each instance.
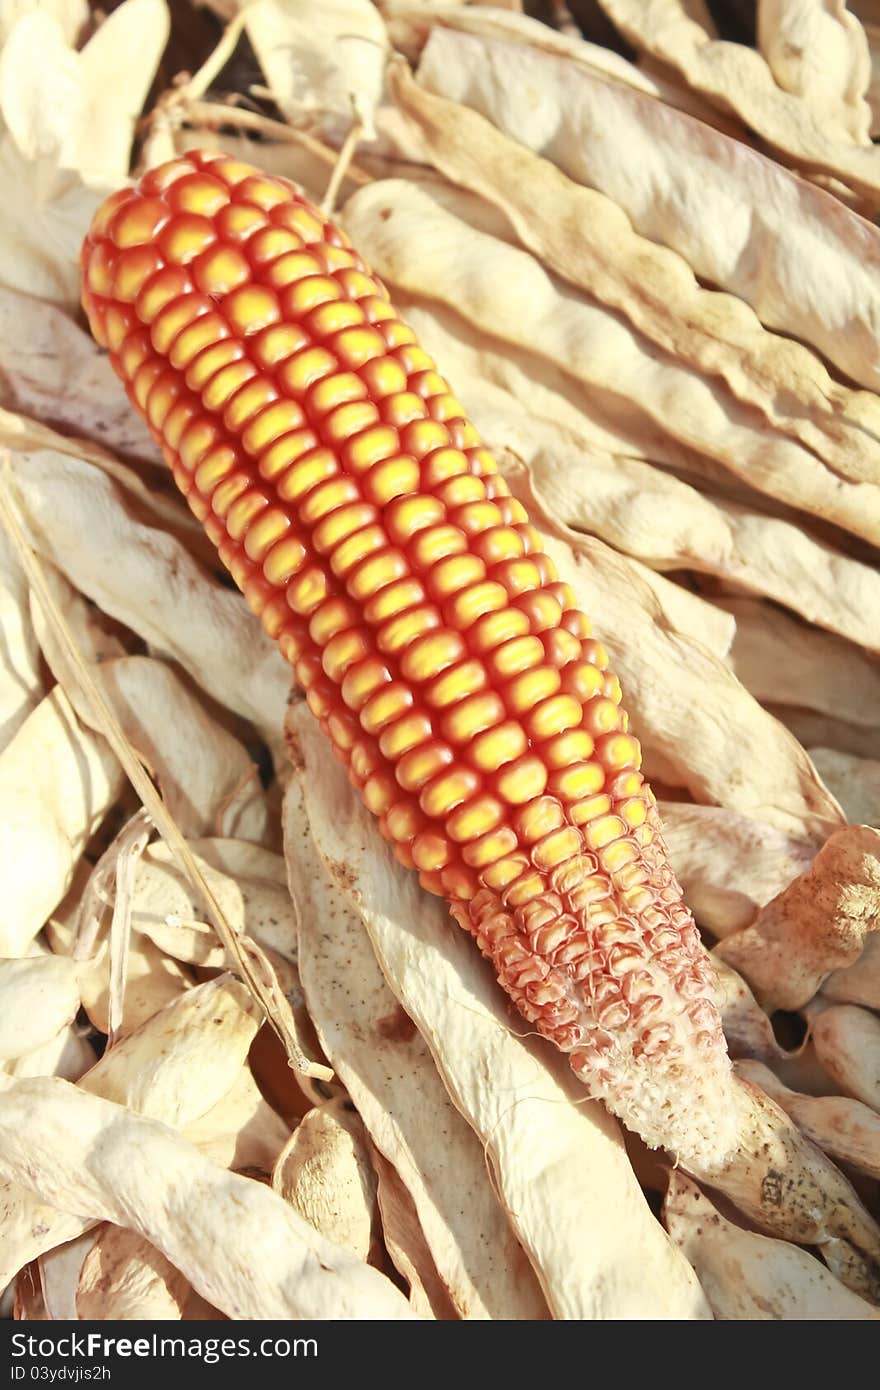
(472, 716)
(634, 812)
(498, 545)
(348, 420)
(330, 318)
(205, 332)
(475, 818)
(298, 219)
(133, 269)
(617, 855)
(497, 746)
(265, 192)
(454, 573)
(289, 269)
(237, 222)
(441, 796)
(358, 345)
(233, 486)
(270, 243)
(167, 285)
(263, 534)
(285, 451)
(504, 872)
(242, 513)
(196, 441)
(522, 780)
(401, 408)
(575, 745)
(436, 543)
(394, 477)
(306, 473)
(306, 367)
(477, 517)
(306, 590)
(379, 793)
(590, 809)
(252, 309)
(351, 551)
(538, 818)
(524, 692)
(214, 468)
(251, 398)
(364, 680)
(198, 193)
(285, 559)
(278, 418)
(456, 684)
(431, 851)
(371, 446)
(185, 238)
(183, 414)
(335, 390)
(342, 651)
(399, 633)
(577, 781)
(395, 598)
(541, 608)
(422, 437)
(326, 504)
(560, 647)
(618, 751)
(489, 848)
(383, 377)
(556, 848)
(459, 883)
(527, 887)
(176, 316)
(404, 821)
(375, 572)
(413, 730)
(388, 704)
(445, 406)
(431, 654)
(553, 716)
(582, 680)
(337, 615)
(107, 211)
(492, 629)
(423, 764)
(276, 343)
(220, 270)
(459, 493)
(472, 603)
(209, 361)
(307, 292)
(601, 716)
(602, 831)
(409, 515)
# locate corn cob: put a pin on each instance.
(356, 508)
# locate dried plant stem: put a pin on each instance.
(249, 960)
(131, 845)
(341, 167)
(216, 61)
(206, 113)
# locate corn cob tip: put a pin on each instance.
(368, 527)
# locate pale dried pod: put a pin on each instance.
(816, 925)
(324, 1173)
(847, 1042)
(748, 1276)
(124, 1278)
(846, 1129)
(39, 996)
